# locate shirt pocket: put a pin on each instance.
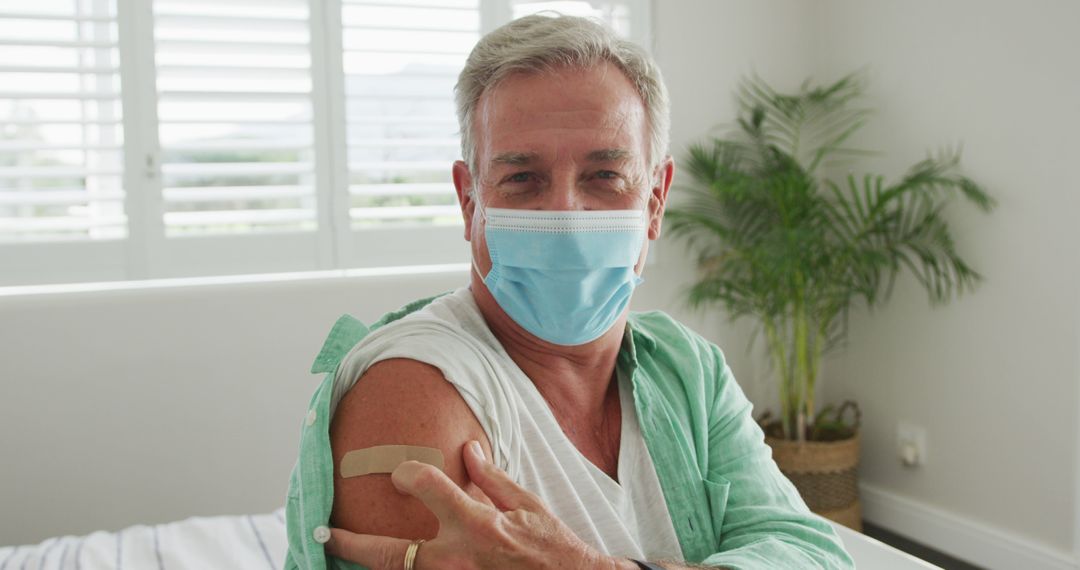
(716, 491)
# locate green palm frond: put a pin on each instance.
(795, 250)
(810, 125)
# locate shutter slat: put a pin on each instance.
(403, 51)
(404, 143)
(54, 17)
(242, 144)
(221, 193)
(219, 47)
(239, 121)
(400, 165)
(229, 21)
(43, 122)
(397, 96)
(221, 217)
(18, 146)
(45, 95)
(29, 172)
(231, 71)
(404, 212)
(466, 6)
(412, 29)
(89, 70)
(57, 197)
(426, 189)
(228, 96)
(175, 5)
(234, 168)
(59, 43)
(397, 120)
(66, 224)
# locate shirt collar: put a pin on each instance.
(347, 331)
(637, 339)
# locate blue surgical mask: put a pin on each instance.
(564, 276)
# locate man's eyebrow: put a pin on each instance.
(608, 155)
(515, 158)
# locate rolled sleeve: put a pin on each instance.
(764, 523)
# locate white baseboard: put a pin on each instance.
(957, 536)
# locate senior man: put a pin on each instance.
(557, 430)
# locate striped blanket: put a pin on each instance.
(242, 542)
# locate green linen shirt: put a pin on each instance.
(730, 505)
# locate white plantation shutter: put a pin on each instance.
(61, 136)
(235, 116)
(400, 61)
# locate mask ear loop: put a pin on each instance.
(645, 223)
(476, 268)
(483, 218)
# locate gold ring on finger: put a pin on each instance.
(410, 553)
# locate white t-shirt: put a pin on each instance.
(628, 518)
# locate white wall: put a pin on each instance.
(993, 377)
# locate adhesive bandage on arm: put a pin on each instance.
(386, 458)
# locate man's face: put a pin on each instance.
(571, 139)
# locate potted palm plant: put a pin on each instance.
(780, 241)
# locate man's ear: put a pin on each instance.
(463, 185)
(661, 184)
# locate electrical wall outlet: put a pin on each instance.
(911, 444)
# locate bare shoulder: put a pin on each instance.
(398, 402)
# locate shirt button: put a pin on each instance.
(321, 534)
(311, 415)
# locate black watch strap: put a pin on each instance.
(646, 565)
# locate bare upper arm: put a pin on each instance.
(398, 402)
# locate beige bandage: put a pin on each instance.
(385, 458)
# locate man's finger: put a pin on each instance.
(438, 492)
(495, 483)
(370, 551)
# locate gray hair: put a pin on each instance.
(541, 43)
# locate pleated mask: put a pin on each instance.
(564, 276)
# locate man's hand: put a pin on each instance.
(517, 532)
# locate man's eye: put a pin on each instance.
(518, 177)
(607, 174)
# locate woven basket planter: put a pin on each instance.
(826, 475)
